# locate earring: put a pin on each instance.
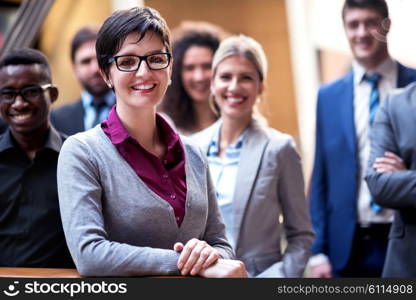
(109, 85)
(170, 82)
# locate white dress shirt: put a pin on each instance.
(89, 110)
(362, 89)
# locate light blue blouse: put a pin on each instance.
(224, 174)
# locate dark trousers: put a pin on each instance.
(368, 252)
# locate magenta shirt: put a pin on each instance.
(165, 177)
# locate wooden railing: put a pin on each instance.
(39, 273)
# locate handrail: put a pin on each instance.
(38, 273)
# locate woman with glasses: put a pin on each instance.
(136, 200)
(255, 169)
(187, 99)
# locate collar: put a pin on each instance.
(388, 69)
(53, 142)
(87, 99)
(213, 148)
(115, 128)
(169, 136)
(118, 133)
(6, 141)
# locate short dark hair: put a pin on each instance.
(378, 5)
(123, 22)
(84, 35)
(27, 56)
(177, 104)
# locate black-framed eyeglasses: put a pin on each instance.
(29, 93)
(131, 63)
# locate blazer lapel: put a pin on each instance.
(251, 156)
(346, 109)
(79, 120)
(412, 103)
(204, 138)
(405, 76)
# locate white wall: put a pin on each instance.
(125, 4)
(305, 72)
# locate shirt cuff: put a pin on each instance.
(317, 260)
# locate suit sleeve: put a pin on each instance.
(318, 188)
(80, 192)
(296, 218)
(397, 189)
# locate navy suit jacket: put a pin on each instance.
(335, 177)
(69, 118)
(3, 126)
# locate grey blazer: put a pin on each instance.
(394, 130)
(269, 184)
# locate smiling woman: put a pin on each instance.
(256, 170)
(137, 84)
(136, 199)
(187, 99)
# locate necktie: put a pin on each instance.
(373, 104)
(99, 104)
(374, 95)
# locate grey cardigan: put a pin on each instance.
(115, 225)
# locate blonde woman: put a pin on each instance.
(255, 169)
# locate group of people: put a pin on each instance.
(166, 167)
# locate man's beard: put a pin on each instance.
(95, 89)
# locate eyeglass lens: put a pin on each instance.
(28, 93)
(132, 63)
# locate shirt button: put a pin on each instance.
(165, 178)
(172, 196)
(177, 218)
(165, 161)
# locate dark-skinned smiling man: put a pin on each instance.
(31, 233)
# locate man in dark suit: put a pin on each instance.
(96, 98)
(351, 230)
(391, 177)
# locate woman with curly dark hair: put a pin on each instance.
(186, 100)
